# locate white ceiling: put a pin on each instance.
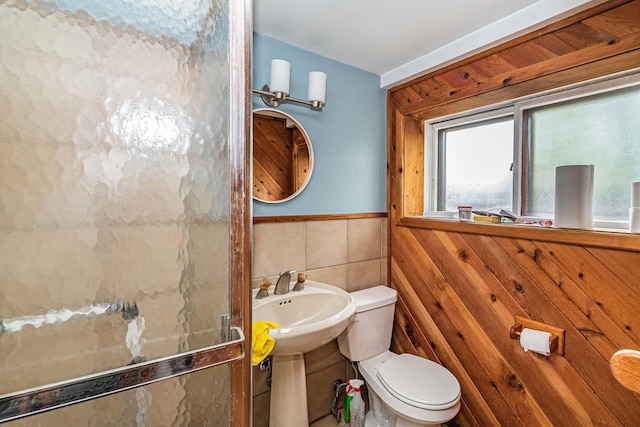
(400, 39)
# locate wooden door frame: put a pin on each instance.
(240, 153)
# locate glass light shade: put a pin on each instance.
(280, 76)
(317, 86)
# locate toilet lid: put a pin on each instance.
(419, 382)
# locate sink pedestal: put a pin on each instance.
(307, 319)
(288, 392)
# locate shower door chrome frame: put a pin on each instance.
(58, 395)
(241, 21)
(234, 352)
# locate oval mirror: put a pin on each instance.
(282, 156)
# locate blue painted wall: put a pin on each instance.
(348, 136)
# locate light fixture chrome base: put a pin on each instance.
(275, 99)
(271, 99)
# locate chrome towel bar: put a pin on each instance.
(52, 396)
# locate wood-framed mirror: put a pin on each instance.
(282, 156)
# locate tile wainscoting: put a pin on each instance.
(350, 253)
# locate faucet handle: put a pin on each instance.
(302, 277)
(264, 285)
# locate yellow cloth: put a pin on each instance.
(261, 342)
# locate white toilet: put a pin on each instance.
(404, 390)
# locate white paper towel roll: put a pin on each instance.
(634, 220)
(635, 194)
(574, 196)
(538, 341)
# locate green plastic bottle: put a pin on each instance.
(347, 401)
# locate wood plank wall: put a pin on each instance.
(460, 285)
(273, 150)
(281, 158)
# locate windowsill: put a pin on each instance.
(601, 237)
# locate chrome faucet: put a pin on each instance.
(282, 285)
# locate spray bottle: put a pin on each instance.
(356, 405)
(347, 401)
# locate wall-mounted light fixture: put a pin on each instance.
(277, 90)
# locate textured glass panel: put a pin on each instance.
(475, 166)
(198, 399)
(601, 130)
(114, 189)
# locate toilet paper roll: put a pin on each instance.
(574, 196)
(634, 220)
(537, 341)
(635, 194)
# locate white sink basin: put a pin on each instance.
(308, 319)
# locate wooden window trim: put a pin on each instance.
(596, 237)
(405, 130)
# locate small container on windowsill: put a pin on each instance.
(496, 219)
(464, 213)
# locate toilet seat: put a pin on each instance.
(419, 382)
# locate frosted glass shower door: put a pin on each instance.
(119, 148)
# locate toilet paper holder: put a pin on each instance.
(556, 341)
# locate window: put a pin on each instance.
(475, 165)
(506, 158)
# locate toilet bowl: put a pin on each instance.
(404, 390)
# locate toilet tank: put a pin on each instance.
(369, 333)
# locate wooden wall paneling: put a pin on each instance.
(571, 300)
(618, 21)
(272, 158)
(611, 8)
(457, 79)
(556, 44)
(394, 182)
(464, 418)
(263, 184)
(481, 276)
(482, 308)
(406, 323)
(610, 294)
(524, 55)
(405, 326)
(467, 341)
(490, 66)
(510, 90)
(412, 94)
(536, 69)
(404, 342)
(591, 323)
(581, 36)
(460, 287)
(583, 360)
(319, 217)
(554, 49)
(412, 169)
(442, 351)
(301, 159)
(432, 89)
(625, 265)
(482, 273)
(591, 238)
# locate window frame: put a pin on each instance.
(432, 143)
(518, 108)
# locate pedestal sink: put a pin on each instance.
(308, 319)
